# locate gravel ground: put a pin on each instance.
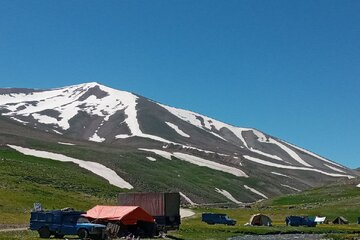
(280, 237)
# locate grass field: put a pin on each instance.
(25, 180)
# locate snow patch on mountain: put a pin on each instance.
(96, 138)
(227, 195)
(208, 124)
(94, 167)
(44, 119)
(151, 159)
(334, 168)
(255, 191)
(209, 164)
(18, 120)
(187, 199)
(267, 163)
(177, 129)
(161, 153)
(290, 152)
(66, 143)
(260, 136)
(265, 154)
(314, 155)
(280, 174)
(292, 188)
(358, 185)
(198, 161)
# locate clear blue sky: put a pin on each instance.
(289, 68)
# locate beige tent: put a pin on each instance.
(340, 220)
(260, 220)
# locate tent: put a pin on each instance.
(260, 220)
(340, 220)
(127, 215)
(320, 220)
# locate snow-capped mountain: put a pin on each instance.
(118, 119)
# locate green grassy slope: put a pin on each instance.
(162, 175)
(25, 180)
(339, 199)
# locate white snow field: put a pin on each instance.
(94, 167)
(255, 191)
(210, 164)
(209, 123)
(198, 161)
(290, 152)
(271, 164)
(227, 195)
(358, 185)
(66, 101)
(314, 155)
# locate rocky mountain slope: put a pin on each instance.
(152, 146)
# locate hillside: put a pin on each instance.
(25, 180)
(341, 198)
(140, 145)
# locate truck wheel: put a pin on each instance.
(83, 233)
(44, 232)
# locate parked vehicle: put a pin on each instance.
(164, 207)
(217, 218)
(300, 221)
(65, 222)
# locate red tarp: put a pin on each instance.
(127, 215)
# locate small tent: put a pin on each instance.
(340, 220)
(260, 220)
(320, 220)
(127, 215)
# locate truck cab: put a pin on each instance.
(68, 222)
(217, 218)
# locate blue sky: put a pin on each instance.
(288, 68)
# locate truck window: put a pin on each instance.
(83, 220)
(70, 219)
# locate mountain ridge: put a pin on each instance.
(118, 119)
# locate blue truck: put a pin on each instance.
(217, 218)
(300, 221)
(65, 222)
